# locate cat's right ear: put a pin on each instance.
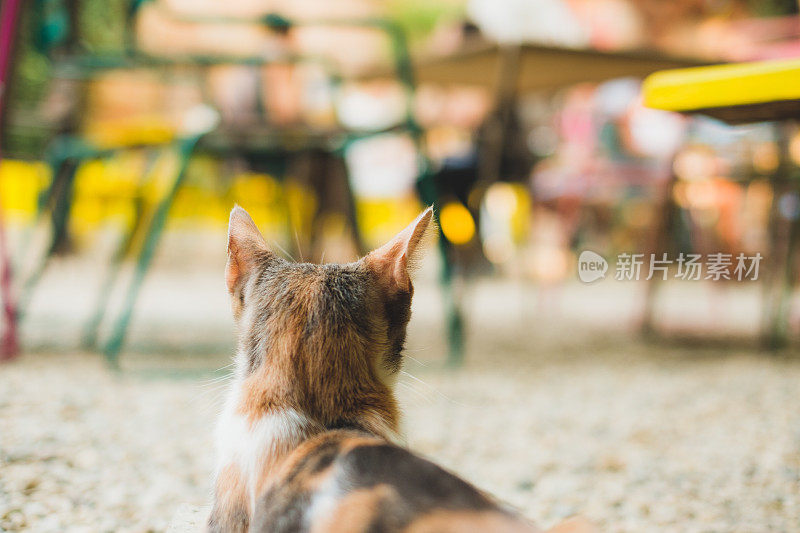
(245, 246)
(393, 261)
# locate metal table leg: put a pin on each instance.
(120, 328)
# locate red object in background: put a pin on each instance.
(770, 38)
(9, 17)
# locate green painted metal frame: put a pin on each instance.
(425, 187)
(132, 57)
(124, 248)
(120, 327)
(63, 158)
(74, 151)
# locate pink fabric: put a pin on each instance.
(9, 18)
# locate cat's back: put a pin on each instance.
(346, 481)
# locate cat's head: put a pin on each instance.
(324, 340)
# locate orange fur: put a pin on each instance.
(231, 500)
(355, 512)
(467, 522)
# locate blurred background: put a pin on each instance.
(129, 128)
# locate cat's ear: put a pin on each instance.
(393, 261)
(245, 246)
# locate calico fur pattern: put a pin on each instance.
(307, 438)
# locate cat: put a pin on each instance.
(307, 438)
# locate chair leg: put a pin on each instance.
(120, 328)
(453, 313)
(454, 319)
(778, 276)
(60, 196)
(779, 272)
(339, 171)
(92, 326)
(665, 225)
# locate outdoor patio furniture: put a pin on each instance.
(274, 142)
(738, 94)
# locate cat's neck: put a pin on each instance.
(268, 435)
(268, 392)
(253, 445)
(280, 427)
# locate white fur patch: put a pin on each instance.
(326, 499)
(249, 445)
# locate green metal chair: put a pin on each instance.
(69, 151)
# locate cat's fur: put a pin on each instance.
(305, 442)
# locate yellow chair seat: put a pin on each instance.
(735, 93)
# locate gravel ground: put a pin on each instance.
(556, 418)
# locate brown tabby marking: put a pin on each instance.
(305, 329)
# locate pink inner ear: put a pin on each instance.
(389, 264)
(231, 274)
(390, 261)
(244, 242)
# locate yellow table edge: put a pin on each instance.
(719, 86)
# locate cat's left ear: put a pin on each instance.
(393, 261)
(245, 246)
